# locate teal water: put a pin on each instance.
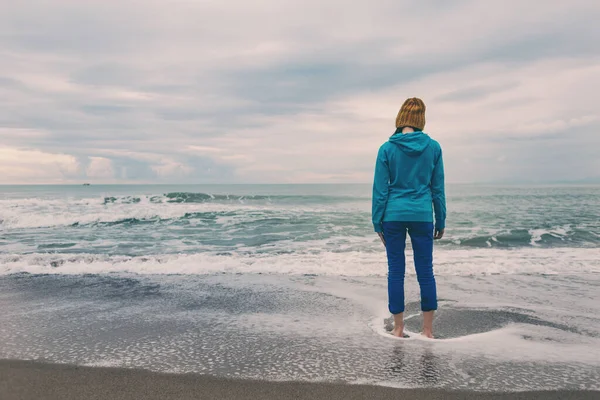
(323, 229)
(289, 282)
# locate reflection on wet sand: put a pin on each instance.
(420, 364)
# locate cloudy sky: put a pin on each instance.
(298, 91)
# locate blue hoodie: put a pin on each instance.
(409, 180)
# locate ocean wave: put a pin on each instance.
(184, 197)
(45, 213)
(199, 197)
(223, 216)
(245, 216)
(84, 216)
(187, 197)
(556, 236)
(246, 220)
(352, 263)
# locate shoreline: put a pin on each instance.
(24, 380)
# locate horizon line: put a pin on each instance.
(580, 182)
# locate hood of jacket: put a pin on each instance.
(413, 143)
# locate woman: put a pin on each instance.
(409, 180)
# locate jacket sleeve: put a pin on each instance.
(380, 189)
(438, 193)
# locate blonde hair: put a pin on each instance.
(412, 114)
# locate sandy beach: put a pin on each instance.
(192, 324)
(24, 380)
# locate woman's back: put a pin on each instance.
(409, 180)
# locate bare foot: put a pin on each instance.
(398, 325)
(428, 324)
(398, 331)
(427, 333)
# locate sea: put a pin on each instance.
(288, 282)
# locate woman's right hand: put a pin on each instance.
(438, 234)
(381, 237)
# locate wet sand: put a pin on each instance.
(25, 380)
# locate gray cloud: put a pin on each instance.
(197, 92)
(475, 92)
(106, 74)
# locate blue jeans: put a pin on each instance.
(421, 237)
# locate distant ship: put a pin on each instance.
(86, 184)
